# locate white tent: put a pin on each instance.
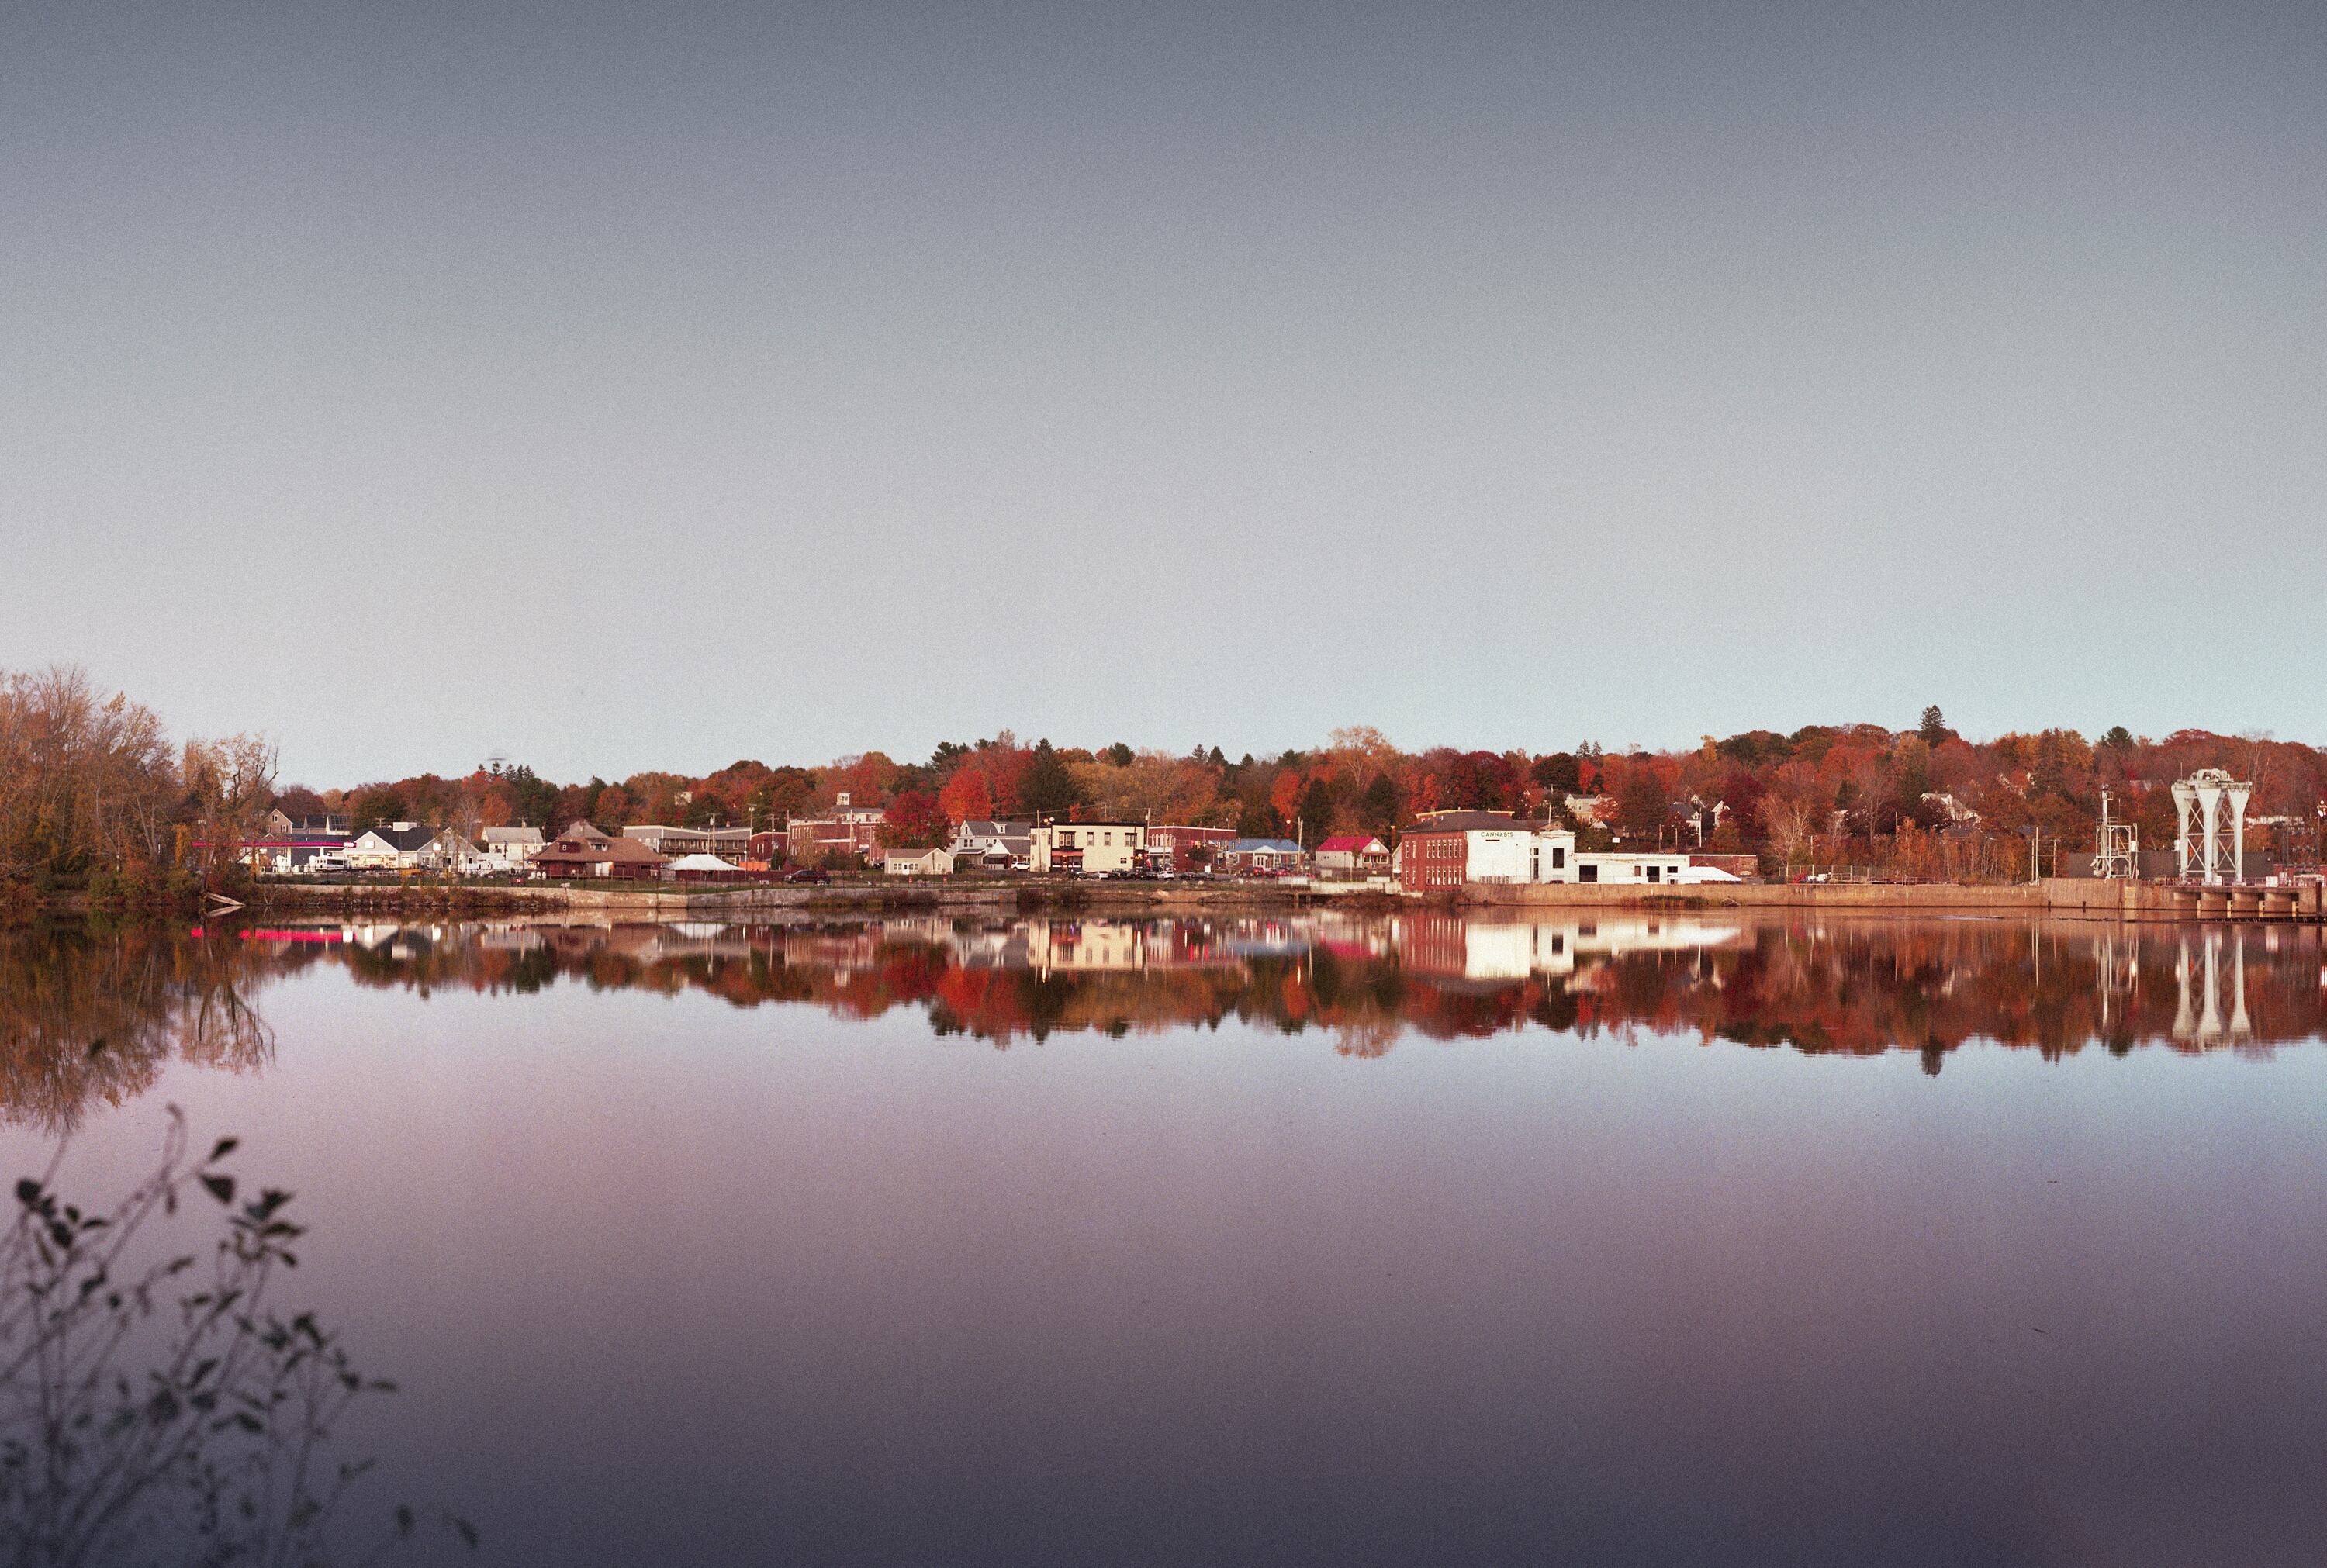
(1708, 873)
(701, 865)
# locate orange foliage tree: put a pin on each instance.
(966, 798)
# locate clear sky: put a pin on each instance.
(620, 386)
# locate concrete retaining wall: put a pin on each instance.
(2070, 897)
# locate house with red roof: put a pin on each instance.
(1352, 854)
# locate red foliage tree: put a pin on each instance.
(965, 797)
(915, 821)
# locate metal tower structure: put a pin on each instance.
(2211, 844)
(2118, 849)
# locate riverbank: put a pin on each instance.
(2073, 897)
(2069, 897)
(1013, 897)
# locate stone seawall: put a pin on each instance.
(1877, 896)
(2069, 897)
(2064, 897)
(664, 901)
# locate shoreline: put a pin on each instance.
(2073, 897)
(1005, 898)
(2059, 897)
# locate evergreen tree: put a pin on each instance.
(1047, 789)
(1934, 727)
(1316, 815)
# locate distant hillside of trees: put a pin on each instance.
(1839, 792)
(94, 796)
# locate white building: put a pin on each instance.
(995, 844)
(1447, 849)
(393, 847)
(1350, 854)
(1638, 870)
(1084, 945)
(509, 849)
(918, 862)
(1092, 848)
(1500, 951)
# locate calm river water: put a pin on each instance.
(1299, 1240)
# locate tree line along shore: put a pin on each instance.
(98, 806)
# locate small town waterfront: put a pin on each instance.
(1267, 1235)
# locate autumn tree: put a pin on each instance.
(785, 793)
(865, 779)
(915, 820)
(1358, 752)
(966, 798)
(1642, 806)
(1741, 795)
(611, 809)
(1152, 787)
(229, 785)
(375, 804)
(1558, 774)
(296, 802)
(1284, 798)
(84, 780)
(1792, 822)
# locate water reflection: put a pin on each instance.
(88, 1016)
(855, 1296)
(92, 1015)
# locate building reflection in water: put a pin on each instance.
(90, 1013)
(2210, 970)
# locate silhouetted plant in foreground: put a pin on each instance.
(158, 1409)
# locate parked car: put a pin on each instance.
(807, 873)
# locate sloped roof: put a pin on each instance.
(1467, 822)
(1251, 845)
(405, 839)
(1353, 844)
(702, 863)
(510, 836)
(602, 850)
